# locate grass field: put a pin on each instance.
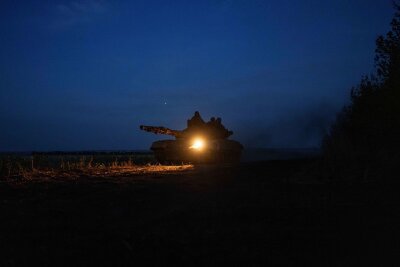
(279, 213)
(28, 165)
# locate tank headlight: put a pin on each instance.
(198, 144)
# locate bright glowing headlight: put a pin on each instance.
(198, 144)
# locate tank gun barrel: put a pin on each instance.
(161, 130)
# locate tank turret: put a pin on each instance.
(200, 142)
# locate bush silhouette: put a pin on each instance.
(364, 139)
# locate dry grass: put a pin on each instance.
(58, 168)
(99, 172)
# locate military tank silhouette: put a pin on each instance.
(200, 142)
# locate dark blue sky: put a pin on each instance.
(77, 75)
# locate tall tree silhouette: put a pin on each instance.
(365, 137)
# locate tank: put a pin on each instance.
(200, 142)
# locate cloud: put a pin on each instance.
(77, 12)
(304, 128)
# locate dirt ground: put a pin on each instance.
(277, 213)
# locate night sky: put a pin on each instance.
(83, 75)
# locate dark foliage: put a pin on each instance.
(364, 140)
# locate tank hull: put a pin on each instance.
(180, 151)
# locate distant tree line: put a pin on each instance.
(364, 141)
